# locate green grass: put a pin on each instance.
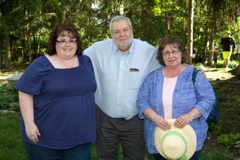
(209, 153)
(11, 145)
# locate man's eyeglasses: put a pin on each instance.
(174, 52)
(63, 42)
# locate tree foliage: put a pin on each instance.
(26, 24)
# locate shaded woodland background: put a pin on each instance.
(25, 25)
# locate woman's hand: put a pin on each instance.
(182, 121)
(27, 110)
(201, 70)
(157, 119)
(161, 123)
(32, 132)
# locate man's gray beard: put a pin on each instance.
(124, 46)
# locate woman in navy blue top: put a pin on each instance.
(56, 94)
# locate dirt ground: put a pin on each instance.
(228, 93)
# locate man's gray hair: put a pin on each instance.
(117, 19)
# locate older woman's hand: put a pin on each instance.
(182, 121)
(161, 123)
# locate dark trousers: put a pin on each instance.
(194, 157)
(35, 152)
(113, 132)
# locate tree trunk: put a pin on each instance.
(1, 59)
(211, 47)
(211, 40)
(205, 42)
(238, 73)
(190, 32)
(8, 51)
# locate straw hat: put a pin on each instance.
(176, 143)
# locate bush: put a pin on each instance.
(9, 98)
(229, 140)
(20, 59)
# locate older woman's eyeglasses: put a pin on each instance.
(174, 52)
(64, 42)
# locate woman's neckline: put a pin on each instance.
(172, 73)
(58, 63)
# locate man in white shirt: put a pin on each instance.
(120, 65)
